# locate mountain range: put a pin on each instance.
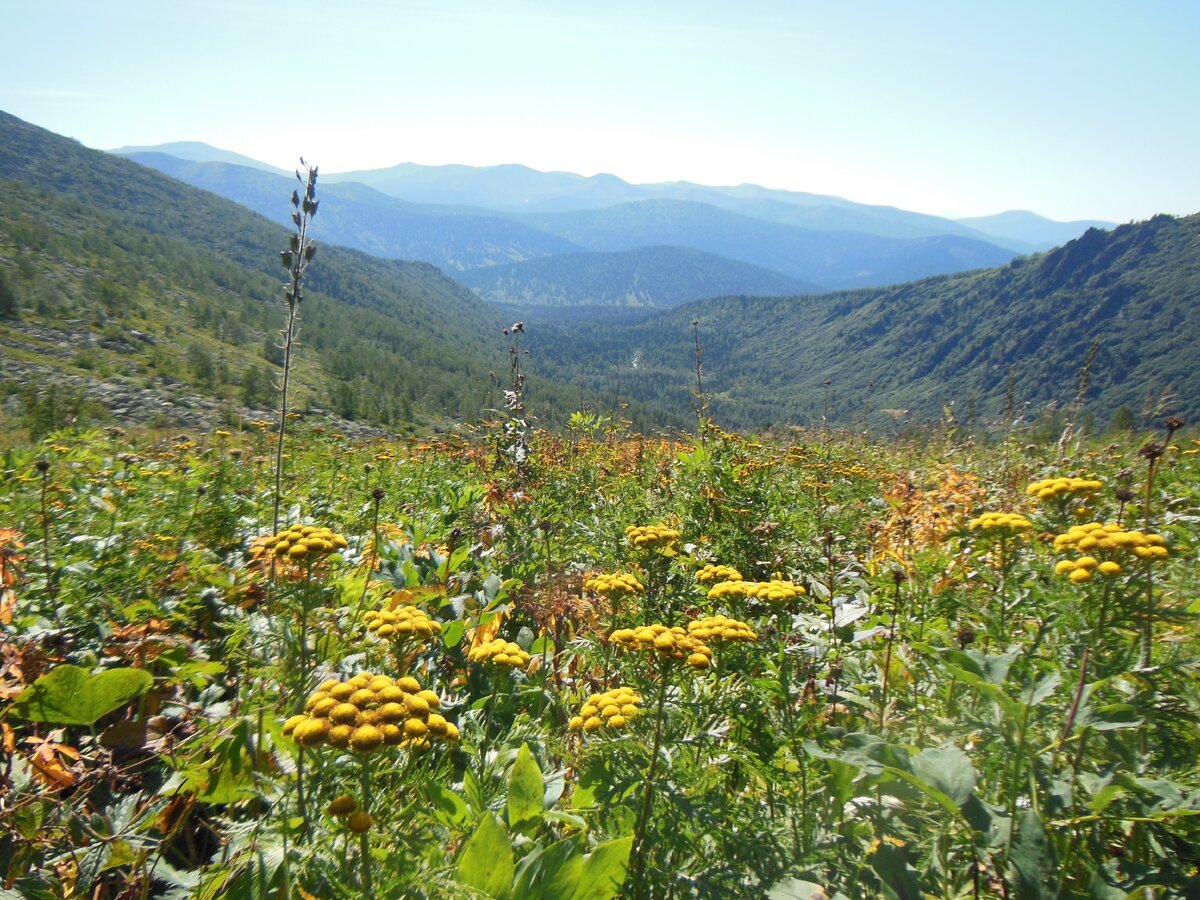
(462, 218)
(121, 273)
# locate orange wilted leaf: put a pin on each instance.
(47, 760)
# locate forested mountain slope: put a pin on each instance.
(920, 346)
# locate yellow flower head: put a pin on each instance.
(721, 628)
(710, 573)
(401, 622)
(673, 643)
(1105, 548)
(299, 543)
(367, 712)
(1062, 488)
(1001, 524)
(652, 537)
(610, 710)
(614, 585)
(499, 652)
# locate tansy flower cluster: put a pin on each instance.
(400, 621)
(299, 542)
(712, 572)
(499, 652)
(650, 537)
(1110, 542)
(720, 628)
(673, 643)
(774, 591)
(370, 711)
(1050, 488)
(614, 585)
(1000, 524)
(614, 709)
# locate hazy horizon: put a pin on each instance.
(1072, 110)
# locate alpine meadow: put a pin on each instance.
(481, 532)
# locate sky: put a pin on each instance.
(1075, 109)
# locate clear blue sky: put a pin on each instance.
(1072, 109)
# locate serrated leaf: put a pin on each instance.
(69, 695)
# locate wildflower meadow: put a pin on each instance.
(797, 666)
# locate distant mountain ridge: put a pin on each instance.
(463, 238)
(1022, 225)
(198, 151)
(834, 259)
(358, 216)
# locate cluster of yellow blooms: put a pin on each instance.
(300, 542)
(401, 621)
(649, 537)
(1110, 541)
(1001, 523)
(357, 820)
(614, 709)
(718, 573)
(499, 652)
(614, 585)
(370, 711)
(775, 591)
(1050, 488)
(673, 643)
(721, 628)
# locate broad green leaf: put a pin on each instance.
(550, 873)
(448, 807)
(525, 790)
(1035, 694)
(949, 770)
(1032, 857)
(604, 870)
(452, 634)
(795, 889)
(69, 695)
(486, 863)
(899, 878)
(1113, 717)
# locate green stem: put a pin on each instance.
(637, 857)
(887, 664)
(364, 840)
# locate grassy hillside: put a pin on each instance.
(94, 248)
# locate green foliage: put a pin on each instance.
(9, 304)
(937, 711)
(645, 277)
(69, 695)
